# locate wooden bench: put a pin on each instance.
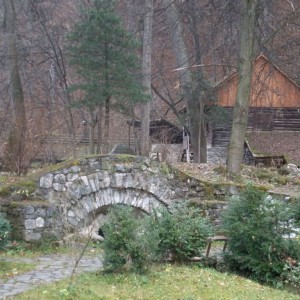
(217, 238)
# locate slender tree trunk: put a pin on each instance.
(201, 85)
(51, 157)
(92, 123)
(186, 82)
(92, 138)
(240, 114)
(146, 66)
(203, 144)
(56, 54)
(16, 142)
(106, 120)
(71, 128)
(99, 131)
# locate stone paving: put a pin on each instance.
(49, 268)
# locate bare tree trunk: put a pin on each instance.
(55, 53)
(16, 141)
(106, 119)
(202, 139)
(50, 102)
(99, 131)
(186, 82)
(92, 123)
(201, 85)
(240, 113)
(71, 127)
(146, 66)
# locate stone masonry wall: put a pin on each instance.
(74, 196)
(34, 221)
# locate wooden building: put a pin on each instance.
(274, 106)
(270, 88)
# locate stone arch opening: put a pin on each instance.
(99, 217)
(96, 219)
(88, 213)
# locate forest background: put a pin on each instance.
(182, 50)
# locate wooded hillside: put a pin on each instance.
(51, 80)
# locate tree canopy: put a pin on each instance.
(104, 56)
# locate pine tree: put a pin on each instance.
(103, 54)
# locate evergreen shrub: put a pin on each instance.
(131, 243)
(260, 230)
(297, 211)
(182, 233)
(291, 275)
(5, 230)
(124, 247)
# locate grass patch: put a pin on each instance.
(21, 250)
(10, 268)
(162, 282)
(27, 250)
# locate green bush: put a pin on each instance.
(259, 228)
(297, 211)
(5, 230)
(124, 244)
(291, 275)
(182, 233)
(131, 243)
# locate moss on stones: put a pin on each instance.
(209, 191)
(20, 204)
(126, 158)
(24, 187)
(165, 168)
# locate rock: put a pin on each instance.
(31, 236)
(29, 210)
(85, 180)
(40, 212)
(30, 224)
(72, 176)
(293, 168)
(71, 214)
(232, 190)
(122, 169)
(40, 222)
(59, 187)
(85, 190)
(59, 178)
(46, 181)
(95, 165)
(75, 169)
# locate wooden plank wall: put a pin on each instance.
(270, 87)
(263, 119)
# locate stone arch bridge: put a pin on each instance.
(76, 194)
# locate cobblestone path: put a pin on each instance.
(49, 268)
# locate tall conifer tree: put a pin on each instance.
(103, 54)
